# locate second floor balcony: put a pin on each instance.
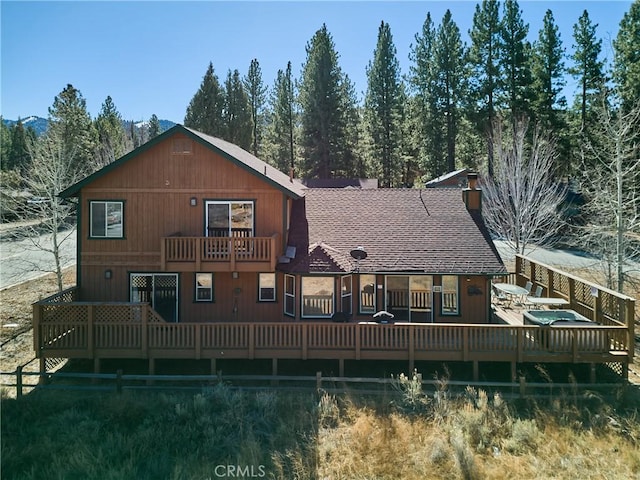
(220, 254)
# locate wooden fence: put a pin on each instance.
(119, 382)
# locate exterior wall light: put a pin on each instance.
(193, 201)
(108, 274)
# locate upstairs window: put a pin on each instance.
(106, 219)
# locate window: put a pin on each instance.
(290, 295)
(106, 219)
(345, 293)
(229, 218)
(450, 295)
(317, 296)
(368, 294)
(267, 287)
(204, 287)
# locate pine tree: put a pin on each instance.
(326, 99)
(73, 127)
(383, 108)
(450, 83)
(626, 61)
(111, 134)
(587, 68)
(256, 91)
(514, 53)
(428, 133)
(237, 114)
(154, 127)
(5, 146)
(18, 157)
(547, 68)
(483, 59)
(204, 112)
(283, 119)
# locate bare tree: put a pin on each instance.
(522, 201)
(612, 188)
(53, 169)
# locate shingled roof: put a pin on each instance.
(402, 230)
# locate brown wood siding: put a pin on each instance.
(156, 188)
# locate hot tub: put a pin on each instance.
(592, 340)
(560, 318)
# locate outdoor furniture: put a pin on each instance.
(513, 292)
(547, 301)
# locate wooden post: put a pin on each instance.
(592, 372)
(152, 370)
(572, 293)
(274, 370)
(411, 348)
(90, 320)
(252, 340)
(163, 254)
(628, 318)
(198, 340)
(42, 379)
(513, 371)
(119, 381)
(213, 366)
(523, 387)
(318, 380)
(19, 381)
(305, 333)
(476, 368)
(37, 317)
(144, 334)
(341, 367)
(357, 333)
(199, 247)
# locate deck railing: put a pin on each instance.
(131, 330)
(207, 250)
(593, 301)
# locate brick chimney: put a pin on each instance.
(472, 195)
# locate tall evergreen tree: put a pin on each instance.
(237, 114)
(111, 134)
(5, 146)
(256, 91)
(587, 68)
(548, 72)
(450, 82)
(18, 157)
(283, 119)
(383, 108)
(154, 129)
(72, 125)
(429, 125)
(483, 59)
(204, 112)
(626, 61)
(326, 101)
(514, 52)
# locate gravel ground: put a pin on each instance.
(16, 334)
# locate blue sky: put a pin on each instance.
(150, 56)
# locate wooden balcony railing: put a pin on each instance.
(219, 253)
(593, 301)
(133, 330)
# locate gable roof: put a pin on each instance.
(402, 230)
(227, 150)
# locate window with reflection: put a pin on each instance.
(317, 296)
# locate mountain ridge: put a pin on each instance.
(40, 124)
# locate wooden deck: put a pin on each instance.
(67, 328)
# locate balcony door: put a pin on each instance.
(160, 290)
(229, 218)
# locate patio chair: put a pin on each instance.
(537, 294)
